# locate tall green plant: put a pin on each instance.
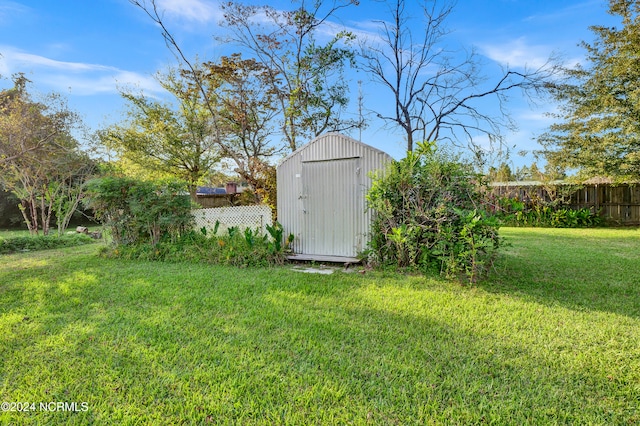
(429, 214)
(140, 211)
(539, 213)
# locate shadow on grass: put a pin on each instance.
(589, 269)
(177, 343)
(401, 354)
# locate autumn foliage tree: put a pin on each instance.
(290, 85)
(26, 126)
(40, 160)
(305, 76)
(247, 108)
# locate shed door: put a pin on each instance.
(333, 207)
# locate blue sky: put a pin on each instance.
(86, 50)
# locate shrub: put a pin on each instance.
(429, 214)
(236, 248)
(10, 214)
(42, 242)
(538, 213)
(137, 212)
(153, 221)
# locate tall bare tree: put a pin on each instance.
(436, 90)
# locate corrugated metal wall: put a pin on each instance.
(321, 195)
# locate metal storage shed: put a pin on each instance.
(321, 197)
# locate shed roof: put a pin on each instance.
(327, 138)
(205, 190)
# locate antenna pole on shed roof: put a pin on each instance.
(360, 99)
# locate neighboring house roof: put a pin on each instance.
(205, 190)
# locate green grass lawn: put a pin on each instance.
(553, 337)
(10, 233)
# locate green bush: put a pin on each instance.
(537, 213)
(153, 221)
(429, 215)
(236, 248)
(10, 215)
(42, 242)
(139, 212)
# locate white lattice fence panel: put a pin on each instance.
(241, 216)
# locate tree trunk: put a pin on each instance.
(64, 215)
(193, 189)
(29, 212)
(45, 214)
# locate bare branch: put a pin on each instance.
(435, 91)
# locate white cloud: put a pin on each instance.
(80, 78)
(531, 116)
(103, 84)
(191, 10)
(28, 59)
(517, 53)
(569, 12)
(9, 10)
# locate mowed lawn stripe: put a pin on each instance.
(181, 343)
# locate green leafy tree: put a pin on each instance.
(598, 129)
(531, 172)
(9, 213)
(550, 173)
(180, 140)
(501, 174)
(27, 125)
(70, 188)
(307, 77)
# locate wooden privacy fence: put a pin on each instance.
(216, 200)
(619, 203)
(258, 216)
